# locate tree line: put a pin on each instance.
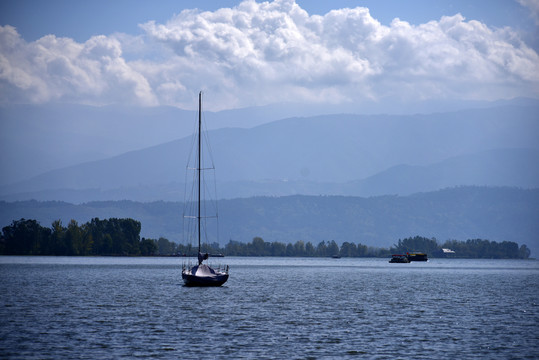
(96, 237)
(259, 247)
(474, 248)
(121, 237)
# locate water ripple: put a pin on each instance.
(364, 309)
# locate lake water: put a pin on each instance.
(88, 308)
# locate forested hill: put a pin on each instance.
(496, 214)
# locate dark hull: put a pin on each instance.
(193, 280)
(417, 257)
(403, 259)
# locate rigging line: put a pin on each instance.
(188, 209)
(190, 156)
(217, 220)
(189, 196)
(214, 183)
(194, 135)
(186, 225)
(209, 149)
(207, 139)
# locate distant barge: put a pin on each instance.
(397, 258)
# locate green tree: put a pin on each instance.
(362, 250)
(87, 240)
(524, 252)
(148, 247)
(309, 249)
(57, 244)
(131, 230)
(332, 249)
(416, 244)
(299, 248)
(233, 248)
(25, 237)
(257, 247)
(290, 250)
(278, 249)
(74, 239)
(165, 247)
(113, 236)
(321, 249)
(348, 249)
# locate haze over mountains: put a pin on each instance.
(40, 138)
(339, 154)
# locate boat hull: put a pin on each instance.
(417, 257)
(399, 259)
(203, 275)
(194, 280)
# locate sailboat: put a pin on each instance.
(201, 274)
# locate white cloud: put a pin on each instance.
(54, 68)
(260, 53)
(533, 6)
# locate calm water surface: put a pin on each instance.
(88, 308)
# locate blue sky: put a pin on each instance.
(141, 52)
(83, 19)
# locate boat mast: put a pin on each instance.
(199, 160)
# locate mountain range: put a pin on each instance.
(340, 154)
(38, 138)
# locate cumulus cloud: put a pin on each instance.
(53, 68)
(261, 53)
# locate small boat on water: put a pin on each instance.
(204, 275)
(399, 259)
(201, 274)
(417, 256)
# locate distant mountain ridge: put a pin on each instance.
(38, 138)
(331, 154)
(501, 167)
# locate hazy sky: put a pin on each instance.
(256, 53)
